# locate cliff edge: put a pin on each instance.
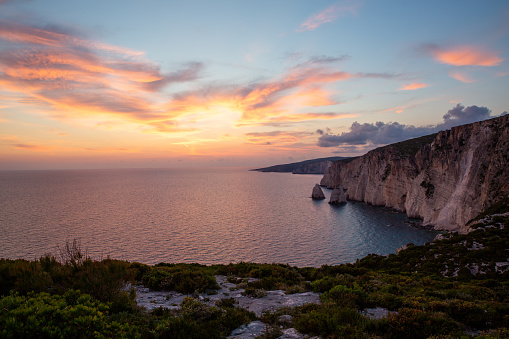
(313, 166)
(446, 179)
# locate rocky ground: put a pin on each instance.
(269, 302)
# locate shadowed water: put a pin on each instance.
(209, 216)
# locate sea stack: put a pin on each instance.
(337, 196)
(317, 193)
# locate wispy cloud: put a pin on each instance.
(74, 77)
(275, 138)
(461, 76)
(83, 77)
(329, 14)
(273, 101)
(413, 86)
(34, 148)
(465, 55)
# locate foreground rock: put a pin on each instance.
(317, 193)
(270, 302)
(446, 179)
(337, 196)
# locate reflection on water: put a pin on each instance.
(205, 216)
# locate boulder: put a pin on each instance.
(337, 196)
(317, 193)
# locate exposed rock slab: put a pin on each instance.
(272, 301)
(317, 193)
(447, 181)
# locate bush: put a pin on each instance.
(180, 278)
(72, 315)
(411, 323)
(353, 297)
(197, 320)
(329, 321)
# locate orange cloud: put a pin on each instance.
(460, 76)
(413, 86)
(75, 78)
(79, 78)
(311, 116)
(275, 138)
(329, 14)
(34, 148)
(465, 55)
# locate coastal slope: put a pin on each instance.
(446, 179)
(313, 166)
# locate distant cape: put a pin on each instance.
(312, 166)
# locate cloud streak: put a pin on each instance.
(381, 133)
(275, 138)
(413, 86)
(81, 77)
(461, 76)
(77, 78)
(329, 14)
(277, 100)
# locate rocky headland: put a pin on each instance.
(446, 179)
(312, 166)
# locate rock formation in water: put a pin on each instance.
(337, 196)
(317, 193)
(446, 179)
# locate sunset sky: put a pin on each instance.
(131, 83)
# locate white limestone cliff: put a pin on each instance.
(446, 181)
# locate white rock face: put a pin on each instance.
(317, 193)
(337, 196)
(446, 182)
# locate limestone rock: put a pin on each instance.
(337, 196)
(317, 193)
(445, 179)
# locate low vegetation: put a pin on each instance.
(454, 287)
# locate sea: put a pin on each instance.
(207, 216)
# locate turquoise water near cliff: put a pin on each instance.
(208, 216)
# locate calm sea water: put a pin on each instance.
(209, 216)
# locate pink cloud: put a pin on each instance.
(461, 76)
(275, 138)
(330, 14)
(77, 77)
(413, 86)
(465, 55)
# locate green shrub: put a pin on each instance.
(411, 323)
(353, 297)
(327, 321)
(180, 279)
(73, 315)
(197, 320)
(254, 292)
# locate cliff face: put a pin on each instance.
(446, 182)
